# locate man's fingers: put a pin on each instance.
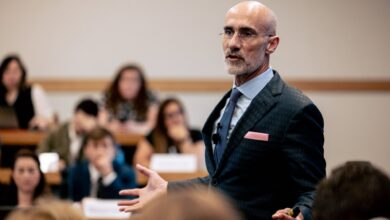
(129, 192)
(283, 211)
(282, 217)
(128, 202)
(281, 214)
(145, 171)
(133, 208)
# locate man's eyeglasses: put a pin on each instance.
(244, 34)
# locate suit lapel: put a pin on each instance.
(259, 107)
(207, 132)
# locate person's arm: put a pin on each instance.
(44, 115)
(142, 156)
(47, 143)
(302, 148)
(146, 126)
(191, 183)
(114, 125)
(143, 153)
(155, 187)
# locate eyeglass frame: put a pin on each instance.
(244, 33)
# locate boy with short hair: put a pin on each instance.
(99, 175)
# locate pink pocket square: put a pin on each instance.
(257, 136)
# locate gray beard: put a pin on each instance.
(239, 69)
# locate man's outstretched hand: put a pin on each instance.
(283, 214)
(156, 186)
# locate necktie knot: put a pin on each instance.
(235, 95)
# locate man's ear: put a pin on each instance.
(272, 44)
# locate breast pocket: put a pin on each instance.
(254, 152)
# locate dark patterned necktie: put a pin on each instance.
(224, 124)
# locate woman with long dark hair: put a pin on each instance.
(27, 181)
(29, 102)
(171, 135)
(129, 106)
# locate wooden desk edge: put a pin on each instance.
(32, 138)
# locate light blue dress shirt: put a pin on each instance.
(249, 90)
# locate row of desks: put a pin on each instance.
(17, 137)
(55, 178)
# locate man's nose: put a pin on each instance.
(235, 42)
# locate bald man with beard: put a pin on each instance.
(264, 139)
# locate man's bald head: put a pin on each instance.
(264, 16)
(249, 39)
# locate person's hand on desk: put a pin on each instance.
(39, 123)
(155, 187)
(287, 214)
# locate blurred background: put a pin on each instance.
(69, 42)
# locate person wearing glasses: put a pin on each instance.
(264, 139)
(171, 135)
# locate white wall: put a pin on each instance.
(176, 38)
(179, 39)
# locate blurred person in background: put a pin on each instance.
(53, 210)
(128, 104)
(66, 139)
(99, 175)
(190, 204)
(356, 190)
(27, 182)
(29, 101)
(171, 135)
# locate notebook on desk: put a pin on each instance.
(8, 119)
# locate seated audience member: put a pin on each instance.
(29, 102)
(99, 175)
(27, 182)
(357, 190)
(66, 139)
(49, 210)
(129, 106)
(171, 135)
(191, 204)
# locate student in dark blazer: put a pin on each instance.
(99, 176)
(264, 139)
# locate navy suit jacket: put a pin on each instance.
(80, 182)
(264, 176)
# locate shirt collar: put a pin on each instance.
(251, 88)
(93, 172)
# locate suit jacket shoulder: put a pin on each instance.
(282, 171)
